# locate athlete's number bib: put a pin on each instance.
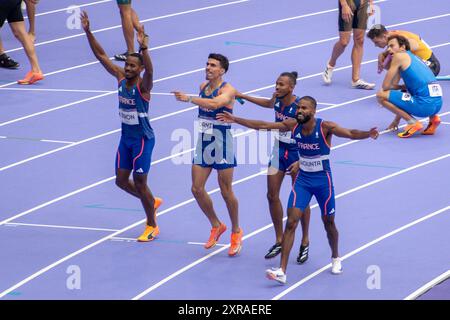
(129, 117)
(435, 90)
(311, 165)
(285, 137)
(205, 126)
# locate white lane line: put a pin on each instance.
(39, 140)
(205, 37)
(123, 239)
(57, 141)
(193, 264)
(53, 109)
(141, 21)
(101, 182)
(65, 9)
(201, 69)
(49, 267)
(82, 91)
(367, 245)
(428, 286)
(15, 224)
(157, 118)
(202, 244)
(57, 90)
(153, 163)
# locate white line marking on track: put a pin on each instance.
(14, 224)
(51, 266)
(120, 26)
(175, 274)
(202, 244)
(428, 286)
(157, 118)
(367, 245)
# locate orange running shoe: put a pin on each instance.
(215, 235)
(410, 129)
(149, 234)
(435, 121)
(31, 77)
(236, 243)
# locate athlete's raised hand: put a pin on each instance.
(85, 21)
(142, 38)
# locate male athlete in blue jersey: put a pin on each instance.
(283, 158)
(313, 137)
(215, 149)
(421, 95)
(137, 140)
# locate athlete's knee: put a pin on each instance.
(273, 197)
(344, 41)
(358, 41)
(19, 34)
(121, 183)
(140, 184)
(328, 222)
(291, 224)
(197, 191)
(227, 194)
(382, 95)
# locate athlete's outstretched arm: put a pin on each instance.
(354, 134)
(98, 50)
(147, 81)
(263, 102)
(286, 125)
(225, 98)
(393, 71)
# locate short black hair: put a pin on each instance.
(376, 31)
(291, 75)
(139, 56)
(402, 41)
(310, 99)
(224, 63)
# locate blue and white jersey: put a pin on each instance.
(133, 112)
(313, 149)
(207, 117)
(282, 113)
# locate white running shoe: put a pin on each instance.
(327, 74)
(361, 84)
(336, 266)
(276, 274)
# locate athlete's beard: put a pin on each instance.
(304, 119)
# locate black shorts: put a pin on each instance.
(360, 15)
(10, 10)
(433, 64)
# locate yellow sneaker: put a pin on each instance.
(149, 234)
(215, 235)
(236, 243)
